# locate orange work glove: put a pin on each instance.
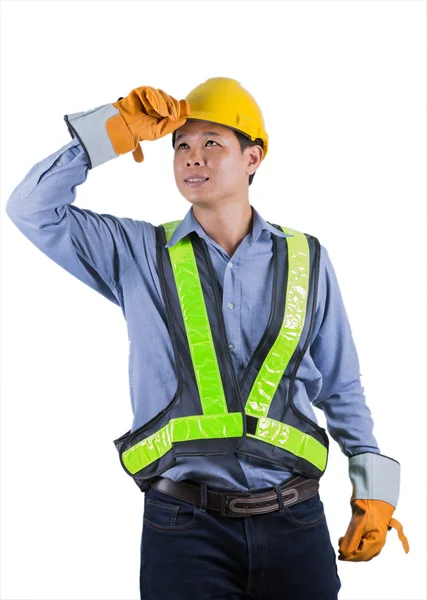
(376, 481)
(367, 531)
(145, 114)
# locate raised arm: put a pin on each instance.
(95, 248)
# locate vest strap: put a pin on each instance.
(197, 326)
(291, 439)
(281, 352)
(181, 429)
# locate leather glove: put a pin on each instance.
(145, 114)
(366, 534)
(375, 480)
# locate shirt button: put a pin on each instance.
(230, 305)
(231, 346)
(230, 265)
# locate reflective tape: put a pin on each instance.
(277, 360)
(197, 326)
(181, 429)
(291, 439)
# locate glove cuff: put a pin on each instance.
(89, 128)
(374, 477)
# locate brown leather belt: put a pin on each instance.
(240, 504)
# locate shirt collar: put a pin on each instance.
(190, 223)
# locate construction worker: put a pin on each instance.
(237, 329)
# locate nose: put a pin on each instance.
(194, 158)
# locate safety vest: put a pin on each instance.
(211, 411)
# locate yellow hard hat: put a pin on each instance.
(223, 100)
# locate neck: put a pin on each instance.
(226, 225)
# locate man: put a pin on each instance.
(237, 328)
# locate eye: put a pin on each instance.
(206, 142)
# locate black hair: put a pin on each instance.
(244, 142)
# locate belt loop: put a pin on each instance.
(203, 496)
(280, 498)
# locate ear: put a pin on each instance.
(255, 155)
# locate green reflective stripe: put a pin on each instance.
(291, 439)
(181, 429)
(271, 372)
(147, 451)
(170, 229)
(197, 326)
(200, 427)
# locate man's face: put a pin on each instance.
(210, 150)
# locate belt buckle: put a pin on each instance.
(227, 503)
(230, 502)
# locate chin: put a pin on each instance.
(195, 196)
(204, 202)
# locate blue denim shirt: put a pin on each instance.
(117, 258)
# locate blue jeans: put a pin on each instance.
(190, 554)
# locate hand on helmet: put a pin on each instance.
(145, 114)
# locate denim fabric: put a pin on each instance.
(187, 553)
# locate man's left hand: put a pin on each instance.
(367, 531)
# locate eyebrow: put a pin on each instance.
(205, 133)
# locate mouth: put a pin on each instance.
(196, 182)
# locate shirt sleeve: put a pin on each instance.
(95, 248)
(333, 351)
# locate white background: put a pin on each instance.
(342, 89)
